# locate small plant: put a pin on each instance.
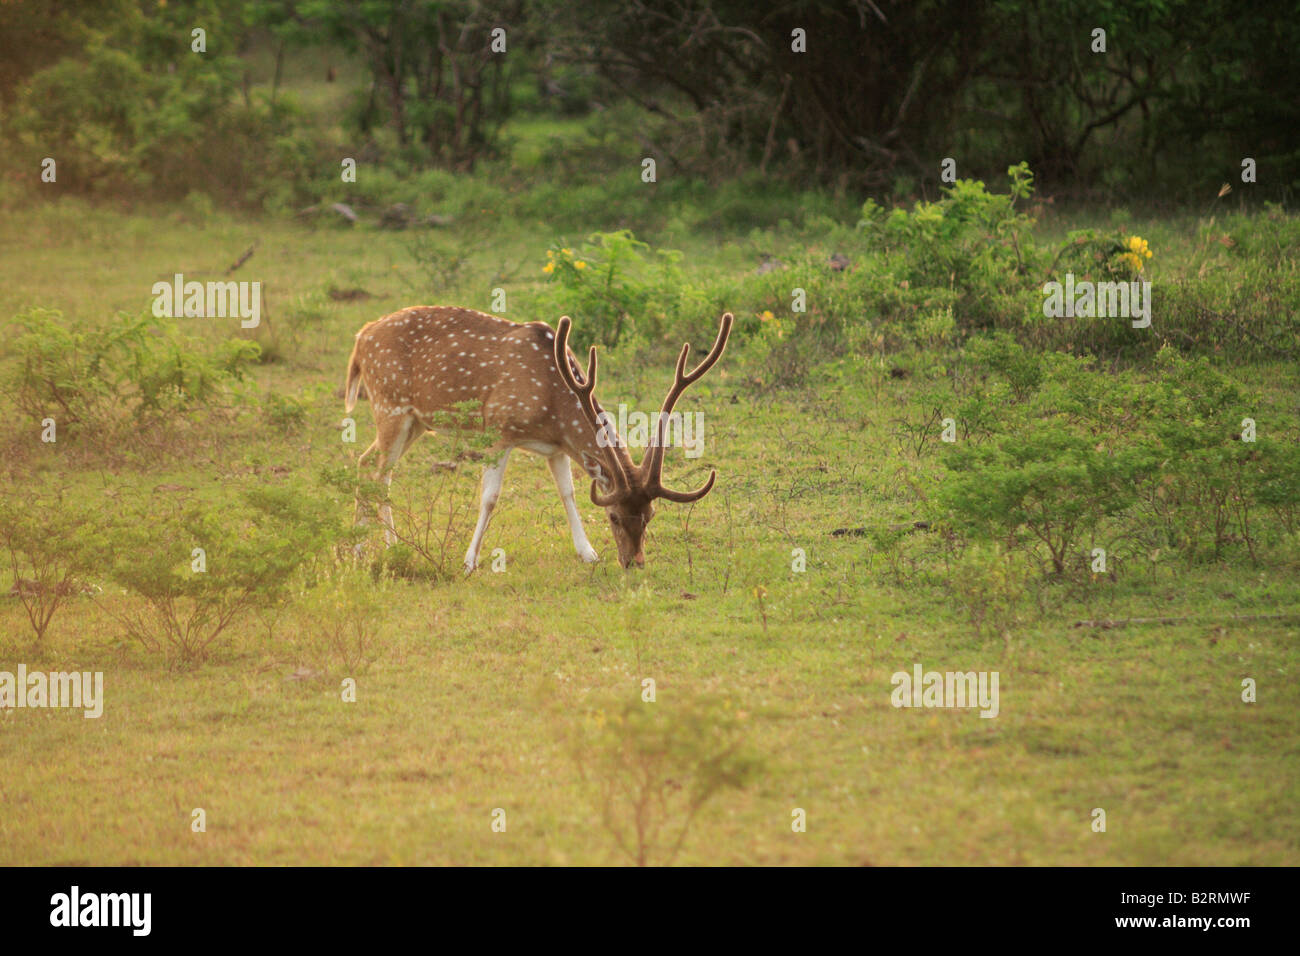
(47, 546)
(989, 583)
(1205, 482)
(285, 413)
(343, 621)
(1046, 480)
(650, 768)
(1111, 255)
(957, 257)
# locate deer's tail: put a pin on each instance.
(352, 387)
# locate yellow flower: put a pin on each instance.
(766, 315)
(548, 268)
(1135, 250)
(1139, 247)
(580, 264)
(567, 252)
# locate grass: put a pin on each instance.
(476, 684)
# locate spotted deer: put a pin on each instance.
(530, 389)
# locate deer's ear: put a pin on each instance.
(591, 465)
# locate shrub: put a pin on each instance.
(47, 546)
(133, 370)
(127, 126)
(343, 620)
(613, 284)
(285, 413)
(989, 583)
(651, 768)
(1045, 479)
(972, 245)
(1207, 478)
(214, 566)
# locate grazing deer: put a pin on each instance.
(524, 379)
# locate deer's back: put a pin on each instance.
(428, 359)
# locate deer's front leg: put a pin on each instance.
(559, 465)
(492, 477)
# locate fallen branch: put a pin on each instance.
(242, 259)
(1107, 624)
(906, 528)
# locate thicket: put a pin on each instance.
(709, 88)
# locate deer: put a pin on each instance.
(527, 385)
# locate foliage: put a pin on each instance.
(48, 544)
(989, 582)
(134, 370)
(650, 768)
(1167, 461)
(435, 78)
(614, 284)
(1045, 479)
(342, 620)
(747, 96)
(216, 567)
(135, 111)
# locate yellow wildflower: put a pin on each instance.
(1139, 247)
(766, 315)
(548, 268)
(1135, 251)
(580, 264)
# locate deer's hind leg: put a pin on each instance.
(361, 515)
(395, 434)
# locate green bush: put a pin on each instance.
(1045, 480)
(48, 546)
(251, 552)
(342, 621)
(1051, 445)
(650, 768)
(614, 284)
(131, 371)
(989, 584)
(1208, 476)
(126, 126)
(971, 250)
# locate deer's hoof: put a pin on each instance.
(589, 555)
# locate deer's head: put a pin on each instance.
(626, 491)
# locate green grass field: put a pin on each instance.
(471, 693)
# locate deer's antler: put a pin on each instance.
(651, 471)
(619, 482)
